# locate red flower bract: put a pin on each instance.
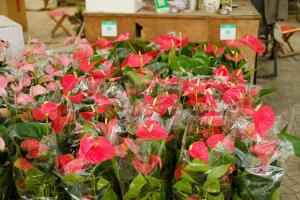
(134, 60)
(234, 94)
(146, 167)
(263, 120)
(199, 150)
(212, 118)
(256, 44)
(213, 140)
(264, 151)
(161, 102)
(237, 57)
(23, 164)
(34, 148)
(151, 131)
(167, 42)
(96, 150)
(222, 73)
(48, 109)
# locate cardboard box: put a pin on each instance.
(15, 10)
(12, 32)
(113, 6)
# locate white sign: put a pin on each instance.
(228, 32)
(109, 28)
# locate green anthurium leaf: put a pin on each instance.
(292, 139)
(172, 60)
(215, 197)
(185, 62)
(31, 130)
(154, 182)
(73, 179)
(135, 187)
(102, 182)
(197, 166)
(201, 58)
(202, 70)
(187, 177)
(97, 58)
(184, 186)
(134, 77)
(110, 195)
(212, 185)
(267, 91)
(219, 171)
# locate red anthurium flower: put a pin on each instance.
(23, 164)
(34, 148)
(146, 167)
(167, 42)
(213, 118)
(234, 94)
(219, 51)
(47, 109)
(208, 48)
(237, 57)
(75, 166)
(50, 109)
(178, 173)
(256, 44)
(87, 115)
(199, 150)
(62, 160)
(222, 73)
(263, 120)
(134, 60)
(102, 103)
(234, 43)
(238, 76)
(87, 66)
(110, 129)
(103, 43)
(151, 131)
(264, 151)
(161, 103)
(211, 131)
(193, 87)
(214, 140)
(83, 52)
(77, 98)
(69, 82)
(59, 123)
(94, 150)
(122, 38)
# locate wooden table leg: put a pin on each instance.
(59, 24)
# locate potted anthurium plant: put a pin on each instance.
(130, 119)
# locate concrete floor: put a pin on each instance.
(286, 102)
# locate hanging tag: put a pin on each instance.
(109, 28)
(228, 32)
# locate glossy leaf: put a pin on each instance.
(135, 187)
(102, 182)
(184, 186)
(219, 171)
(73, 179)
(197, 166)
(31, 130)
(212, 185)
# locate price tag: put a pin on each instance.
(228, 32)
(109, 28)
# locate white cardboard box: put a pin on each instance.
(113, 6)
(12, 32)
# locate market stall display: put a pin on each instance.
(121, 119)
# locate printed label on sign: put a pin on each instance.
(228, 32)
(109, 28)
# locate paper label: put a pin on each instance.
(228, 32)
(109, 28)
(162, 6)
